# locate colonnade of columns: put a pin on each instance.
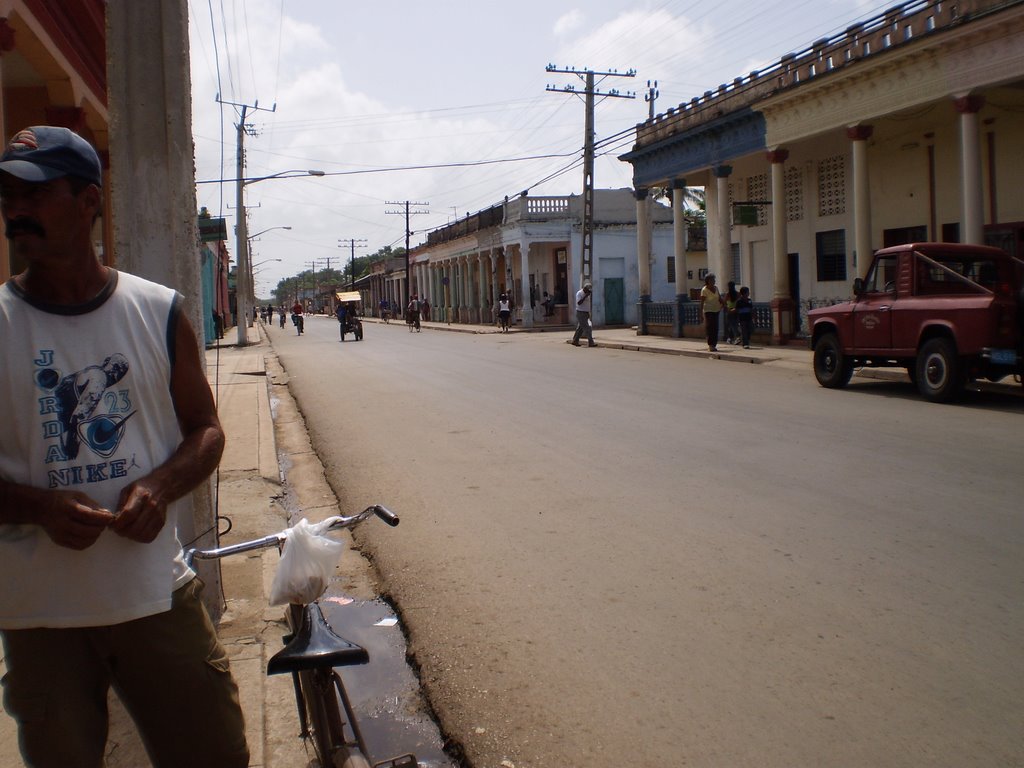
(465, 288)
(719, 216)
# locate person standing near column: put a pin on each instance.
(583, 323)
(710, 307)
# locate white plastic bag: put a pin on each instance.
(307, 564)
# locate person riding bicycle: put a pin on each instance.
(412, 314)
(111, 426)
(297, 320)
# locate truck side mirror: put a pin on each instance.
(858, 286)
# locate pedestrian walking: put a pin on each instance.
(710, 308)
(425, 309)
(745, 314)
(504, 312)
(111, 425)
(584, 326)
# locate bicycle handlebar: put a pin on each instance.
(336, 523)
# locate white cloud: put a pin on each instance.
(365, 86)
(569, 22)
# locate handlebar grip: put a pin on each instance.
(386, 515)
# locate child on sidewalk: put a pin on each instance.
(745, 315)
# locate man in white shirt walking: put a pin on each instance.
(583, 324)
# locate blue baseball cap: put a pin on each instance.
(46, 152)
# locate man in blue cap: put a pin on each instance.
(111, 424)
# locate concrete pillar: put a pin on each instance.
(723, 267)
(524, 293)
(431, 287)
(780, 259)
(859, 135)
(472, 283)
(643, 244)
(482, 315)
(449, 299)
(679, 236)
(972, 214)
(153, 195)
(783, 309)
(494, 285)
(460, 288)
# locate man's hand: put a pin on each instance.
(141, 511)
(71, 519)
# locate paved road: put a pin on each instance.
(613, 558)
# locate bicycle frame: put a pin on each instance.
(311, 652)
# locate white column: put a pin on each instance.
(430, 286)
(970, 170)
(494, 283)
(780, 247)
(524, 300)
(643, 243)
(679, 235)
(155, 219)
(859, 135)
(481, 289)
(724, 265)
(463, 292)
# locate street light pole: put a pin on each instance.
(243, 285)
(241, 244)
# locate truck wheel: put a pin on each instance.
(940, 374)
(832, 368)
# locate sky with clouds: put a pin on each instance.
(445, 103)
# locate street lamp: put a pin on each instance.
(244, 295)
(264, 231)
(249, 239)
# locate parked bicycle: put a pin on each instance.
(311, 654)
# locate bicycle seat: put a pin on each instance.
(315, 645)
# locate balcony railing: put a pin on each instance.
(901, 24)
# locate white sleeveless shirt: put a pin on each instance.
(86, 391)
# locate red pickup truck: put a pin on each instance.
(948, 313)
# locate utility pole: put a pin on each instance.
(588, 76)
(244, 296)
(316, 284)
(408, 232)
(353, 242)
(652, 94)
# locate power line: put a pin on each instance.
(353, 243)
(408, 233)
(590, 94)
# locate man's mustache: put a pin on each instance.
(24, 227)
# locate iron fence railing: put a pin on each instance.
(683, 312)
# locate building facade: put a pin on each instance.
(528, 246)
(905, 127)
